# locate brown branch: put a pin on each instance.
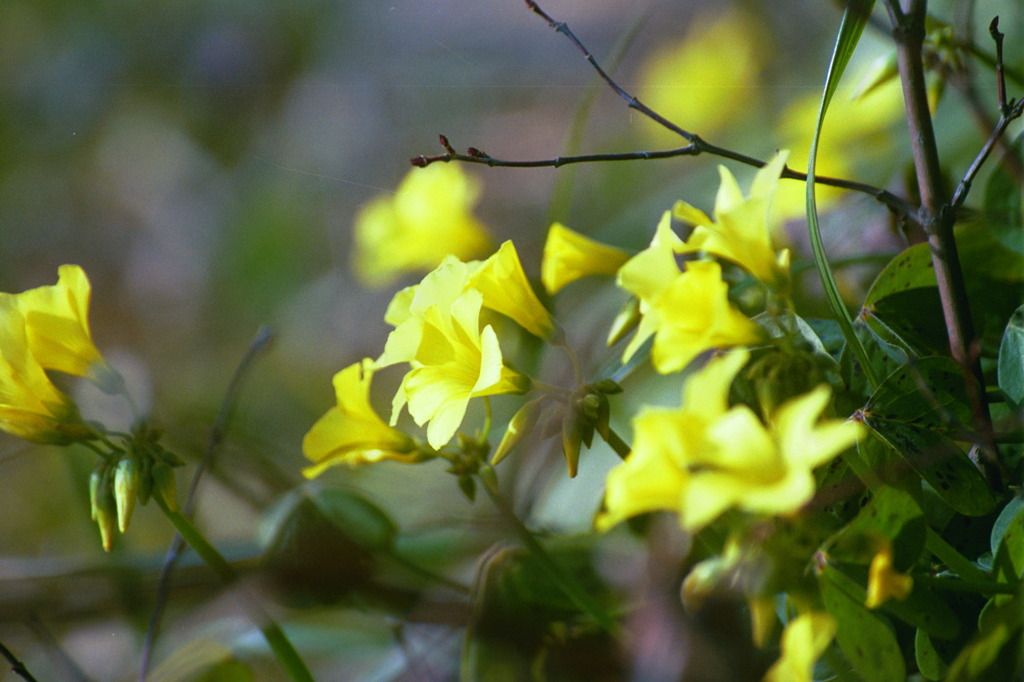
(474, 155)
(697, 145)
(938, 217)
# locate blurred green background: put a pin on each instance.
(203, 162)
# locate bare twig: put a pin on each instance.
(17, 667)
(216, 438)
(993, 29)
(697, 145)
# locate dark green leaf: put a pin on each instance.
(1011, 358)
(911, 269)
(1010, 515)
(929, 662)
(928, 393)
(940, 462)
(864, 637)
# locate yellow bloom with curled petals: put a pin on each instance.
(884, 581)
(456, 361)
(57, 329)
(740, 231)
(705, 457)
(351, 432)
(569, 256)
(803, 642)
(429, 217)
(505, 289)
(688, 311)
(31, 407)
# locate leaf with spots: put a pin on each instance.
(939, 461)
(910, 269)
(928, 393)
(864, 636)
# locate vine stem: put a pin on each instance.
(937, 217)
(279, 643)
(17, 667)
(564, 581)
(953, 559)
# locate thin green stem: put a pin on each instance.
(621, 447)
(972, 586)
(953, 559)
(583, 601)
(279, 643)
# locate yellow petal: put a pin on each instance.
(427, 218)
(803, 641)
(884, 581)
(569, 256)
(503, 283)
(351, 432)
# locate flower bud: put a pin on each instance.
(626, 321)
(105, 508)
(127, 483)
(522, 423)
(166, 487)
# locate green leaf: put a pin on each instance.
(1009, 555)
(1010, 514)
(930, 662)
(997, 651)
(894, 514)
(1011, 358)
(912, 318)
(910, 269)
(929, 393)
(940, 462)
(855, 18)
(864, 637)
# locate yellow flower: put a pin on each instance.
(704, 83)
(454, 362)
(803, 641)
(740, 231)
(569, 256)
(427, 218)
(885, 582)
(705, 457)
(351, 432)
(31, 407)
(57, 328)
(687, 311)
(506, 290)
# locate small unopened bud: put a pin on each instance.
(590, 405)
(105, 509)
(165, 485)
(572, 439)
(522, 423)
(626, 321)
(95, 481)
(126, 490)
(467, 484)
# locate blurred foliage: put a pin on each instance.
(205, 161)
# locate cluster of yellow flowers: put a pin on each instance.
(700, 459)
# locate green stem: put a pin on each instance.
(279, 644)
(953, 559)
(973, 586)
(616, 443)
(565, 583)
